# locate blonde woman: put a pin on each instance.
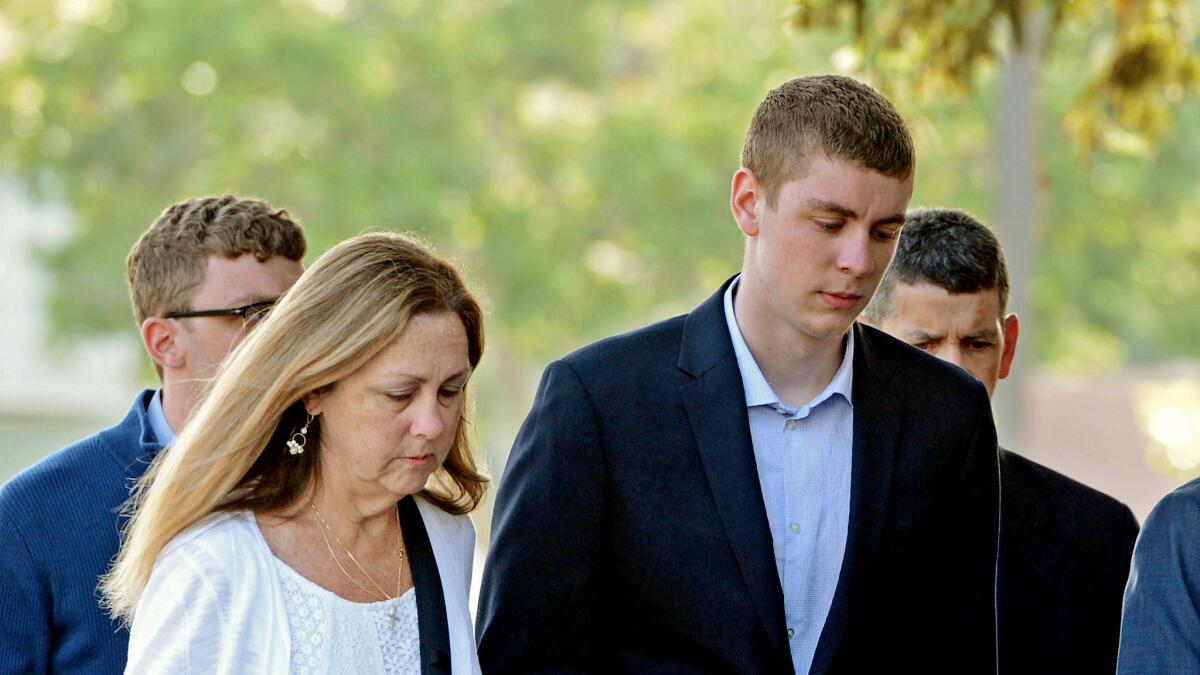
(311, 517)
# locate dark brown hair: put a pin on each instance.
(947, 248)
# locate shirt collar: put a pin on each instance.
(758, 390)
(158, 421)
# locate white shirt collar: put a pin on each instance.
(758, 390)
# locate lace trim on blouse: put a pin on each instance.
(331, 634)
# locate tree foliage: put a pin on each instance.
(574, 155)
(1140, 64)
(544, 144)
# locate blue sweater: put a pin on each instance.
(59, 531)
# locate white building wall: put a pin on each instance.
(48, 397)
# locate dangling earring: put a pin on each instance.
(297, 447)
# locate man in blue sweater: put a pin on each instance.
(1064, 547)
(205, 272)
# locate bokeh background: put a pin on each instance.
(575, 157)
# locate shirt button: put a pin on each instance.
(791, 424)
(791, 633)
(795, 528)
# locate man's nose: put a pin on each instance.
(854, 256)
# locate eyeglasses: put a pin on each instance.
(251, 314)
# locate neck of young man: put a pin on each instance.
(177, 399)
(796, 364)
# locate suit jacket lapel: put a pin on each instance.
(716, 407)
(876, 425)
(432, 624)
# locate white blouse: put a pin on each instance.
(332, 634)
(218, 601)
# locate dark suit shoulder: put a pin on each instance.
(1064, 559)
(917, 378)
(1068, 498)
(655, 345)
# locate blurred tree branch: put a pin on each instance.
(1141, 67)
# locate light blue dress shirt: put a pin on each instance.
(158, 421)
(803, 457)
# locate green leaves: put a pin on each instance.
(575, 155)
(1139, 64)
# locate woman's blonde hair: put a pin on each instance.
(232, 455)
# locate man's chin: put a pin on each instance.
(834, 323)
(828, 330)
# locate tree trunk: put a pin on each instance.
(1017, 208)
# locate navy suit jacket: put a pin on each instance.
(630, 536)
(59, 531)
(1064, 558)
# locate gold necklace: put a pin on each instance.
(382, 595)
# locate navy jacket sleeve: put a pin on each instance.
(24, 612)
(545, 569)
(1160, 625)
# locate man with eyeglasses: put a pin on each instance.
(205, 272)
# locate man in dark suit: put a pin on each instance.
(1065, 548)
(752, 487)
(203, 274)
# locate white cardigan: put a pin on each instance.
(214, 602)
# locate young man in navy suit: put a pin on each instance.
(202, 275)
(1064, 547)
(754, 487)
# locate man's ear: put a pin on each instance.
(162, 339)
(745, 196)
(1012, 327)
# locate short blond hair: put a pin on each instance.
(832, 114)
(346, 308)
(166, 264)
